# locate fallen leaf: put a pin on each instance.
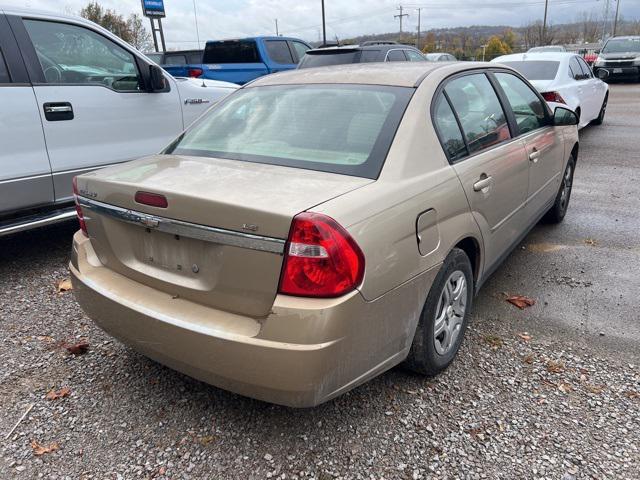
(206, 440)
(594, 388)
(493, 341)
(525, 336)
(64, 285)
(555, 367)
(78, 348)
(592, 242)
(632, 394)
(528, 358)
(63, 392)
(565, 387)
(39, 449)
(521, 301)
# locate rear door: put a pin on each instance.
(25, 173)
(543, 143)
(596, 89)
(91, 96)
(491, 165)
(279, 56)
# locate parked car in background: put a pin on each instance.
(620, 58)
(440, 57)
(563, 78)
(73, 98)
(547, 48)
(240, 61)
(367, 52)
(179, 63)
(320, 226)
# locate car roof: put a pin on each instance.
(624, 37)
(354, 48)
(257, 37)
(31, 12)
(401, 74)
(523, 57)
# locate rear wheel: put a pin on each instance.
(444, 317)
(603, 110)
(559, 209)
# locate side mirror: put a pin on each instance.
(156, 78)
(603, 74)
(563, 117)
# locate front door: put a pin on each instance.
(544, 145)
(490, 164)
(94, 109)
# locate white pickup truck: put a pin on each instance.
(74, 97)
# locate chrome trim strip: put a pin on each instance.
(21, 225)
(186, 229)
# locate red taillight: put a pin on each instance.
(151, 199)
(321, 258)
(83, 226)
(553, 97)
(194, 72)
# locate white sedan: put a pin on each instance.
(563, 78)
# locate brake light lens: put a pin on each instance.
(151, 199)
(553, 97)
(194, 72)
(83, 225)
(321, 258)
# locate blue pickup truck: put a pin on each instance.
(236, 61)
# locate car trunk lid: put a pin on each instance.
(220, 239)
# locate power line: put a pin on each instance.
(399, 16)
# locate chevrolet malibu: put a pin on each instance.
(321, 226)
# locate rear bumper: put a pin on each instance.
(305, 352)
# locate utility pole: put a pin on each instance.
(324, 29)
(615, 23)
(400, 17)
(604, 22)
(195, 16)
(544, 23)
(418, 39)
(277, 33)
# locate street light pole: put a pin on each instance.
(324, 29)
(418, 39)
(615, 23)
(277, 33)
(544, 23)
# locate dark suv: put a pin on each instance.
(365, 53)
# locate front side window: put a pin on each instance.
(279, 52)
(4, 73)
(414, 56)
(396, 56)
(70, 54)
(448, 129)
(527, 107)
(483, 121)
(344, 129)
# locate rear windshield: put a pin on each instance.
(622, 45)
(231, 51)
(326, 59)
(536, 69)
(345, 129)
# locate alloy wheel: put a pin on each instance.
(450, 313)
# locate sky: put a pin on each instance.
(220, 19)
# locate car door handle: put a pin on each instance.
(483, 183)
(57, 111)
(534, 156)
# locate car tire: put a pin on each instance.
(444, 317)
(559, 209)
(603, 110)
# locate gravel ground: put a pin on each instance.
(519, 402)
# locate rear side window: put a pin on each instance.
(574, 68)
(585, 68)
(414, 56)
(483, 121)
(300, 48)
(332, 58)
(4, 73)
(279, 52)
(370, 56)
(448, 129)
(231, 51)
(526, 106)
(535, 69)
(396, 56)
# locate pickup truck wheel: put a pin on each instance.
(444, 317)
(603, 110)
(559, 209)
